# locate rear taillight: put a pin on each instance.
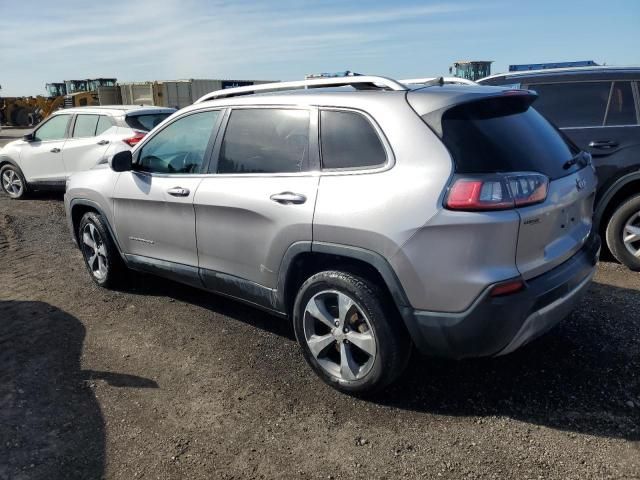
(133, 141)
(496, 191)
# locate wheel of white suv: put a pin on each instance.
(623, 233)
(348, 335)
(101, 256)
(13, 182)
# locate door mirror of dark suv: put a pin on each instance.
(121, 161)
(29, 137)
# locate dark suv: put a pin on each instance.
(599, 109)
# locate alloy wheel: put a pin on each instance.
(631, 234)
(339, 335)
(12, 183)
(95, 252)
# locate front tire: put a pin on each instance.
(623, 233)
(101, 257)
(349, 335)
(13, 182)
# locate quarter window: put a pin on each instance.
(104, 124)
(85, 126)
(265, 140)
(578, 104)
(349, 141)
(621, 110)
(53, 129)
(181, 146)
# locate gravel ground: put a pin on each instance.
(165, 381)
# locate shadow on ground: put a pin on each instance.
(582, 377)
(143, 284)
(40, 195)
(51, 425)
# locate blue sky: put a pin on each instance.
(136, 40)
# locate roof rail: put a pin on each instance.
(360, 82)
(417, 81)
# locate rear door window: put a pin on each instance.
(265, 140)
(577, 104)
(622, 110)
(85, 126)
(145, 122)
(504, 135)
(349, 140)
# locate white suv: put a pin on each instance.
(73, 140)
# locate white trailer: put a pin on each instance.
(175, 93)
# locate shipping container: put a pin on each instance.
(109, 96)
(139, 93)
(175, 93)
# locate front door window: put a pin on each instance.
(53, 129)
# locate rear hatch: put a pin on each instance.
(503, 137)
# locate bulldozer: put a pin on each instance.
(29, 111)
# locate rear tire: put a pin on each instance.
(350, 335)
(101, 257)
(12, 182)
(623, 233)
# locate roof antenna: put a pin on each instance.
(438, 81)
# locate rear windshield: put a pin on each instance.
(145, 122)
(504, 135)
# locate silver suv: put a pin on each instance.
(375, 215)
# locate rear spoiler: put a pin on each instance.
(506, 101)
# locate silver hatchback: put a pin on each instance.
(375, 215)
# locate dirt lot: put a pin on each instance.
(164, 381)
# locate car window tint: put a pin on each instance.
(145, 122)
(180, 147)
(349, 141)
(104, 124)
(54, 128)
(621, 106)
(85, 126)
(266, 140)
(504, 134)
(578, 104)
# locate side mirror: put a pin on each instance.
(29, 137)
(121, 161)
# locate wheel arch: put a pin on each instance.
(78, 208)
(304, 259)
(8, 160)
(623, 188)
(4, 160)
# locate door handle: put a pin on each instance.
(288, 198)
(603, 144)
(55, 150)
(103, 142)
(178, 192)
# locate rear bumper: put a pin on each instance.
(499, 325)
